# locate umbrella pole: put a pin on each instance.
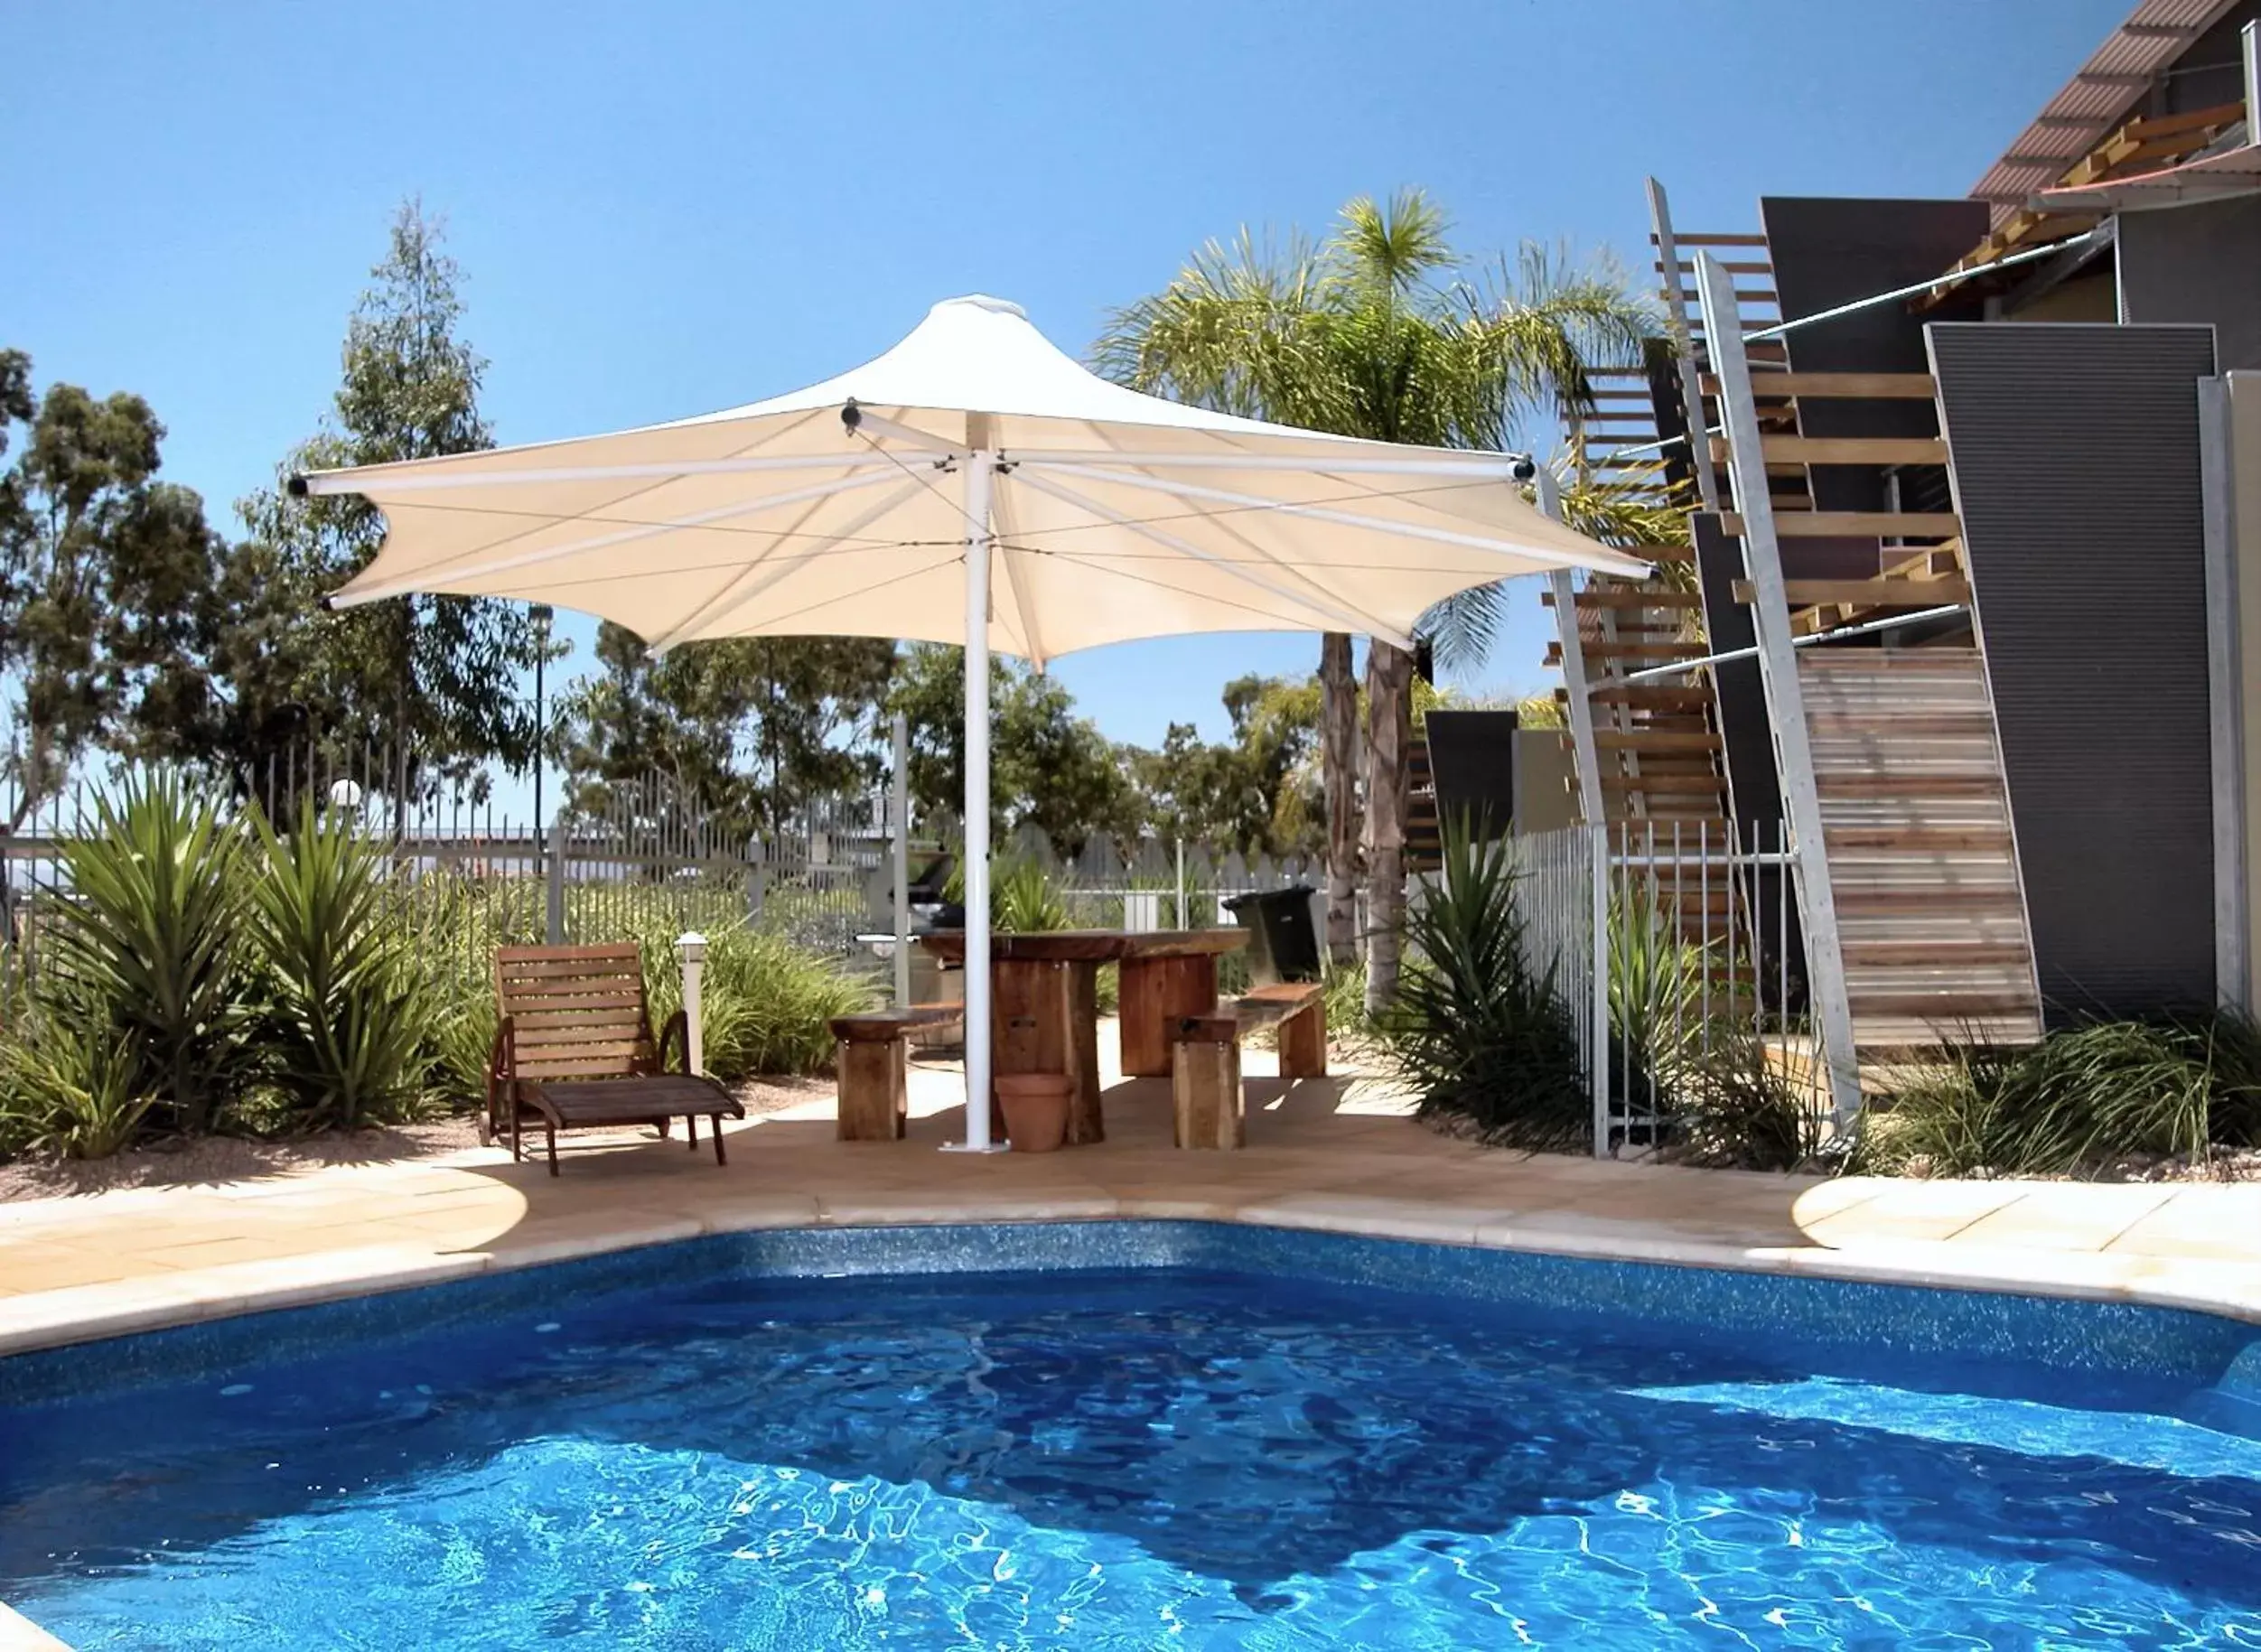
(980, 473)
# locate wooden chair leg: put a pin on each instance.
(715, 1123)
(690, 1131)
(552, 1128)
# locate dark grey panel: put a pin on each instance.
(1832, 252)
(1471, 759)
(2200, 262)
(1737, 693)
(1739, 714)
(2077, 473)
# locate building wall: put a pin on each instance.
(2077, 472)
(1545, 780)
(2200, 264)
(2090, 298)
(1827, 252)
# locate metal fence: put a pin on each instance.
(470, 875)
(649, 858)
(1675, 950)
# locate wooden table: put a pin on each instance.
(1045, 1001)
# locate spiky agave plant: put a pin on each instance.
(347, 1008)
(1476, 1031)
(68, 1084)
(149, 932)
(1656, 989)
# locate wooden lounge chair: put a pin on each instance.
(574, 1050)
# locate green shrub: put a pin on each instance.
(347, 1018)
(1656, 979)
(69, 1083)
(1737, 1102)
(1343, 989)
(2079, 1102)
(148, 943)
(766, 1004)
(1475, 1032)
(1025, 897)
(460, 1035)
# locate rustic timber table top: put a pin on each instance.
(1088, 945)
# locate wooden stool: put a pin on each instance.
(874, 1059)
(1205, 1058)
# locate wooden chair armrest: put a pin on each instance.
(676, 1032)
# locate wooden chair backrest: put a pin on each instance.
(576, 1011)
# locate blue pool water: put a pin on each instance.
(683, 1453)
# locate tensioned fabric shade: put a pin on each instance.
(1116, 514)
(973, 485)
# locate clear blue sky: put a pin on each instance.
(663, 208)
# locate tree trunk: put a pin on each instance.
(1388, 722)
(1338, 763)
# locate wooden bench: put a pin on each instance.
(874, 1064)
(1205, 1058)
(573, 1051)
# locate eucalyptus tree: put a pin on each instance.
(107, 576)
(437, 675)
(1380, 330)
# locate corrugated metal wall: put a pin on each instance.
(2076, 466)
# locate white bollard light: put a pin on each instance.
(691, 947)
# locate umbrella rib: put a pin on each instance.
(1344, 519)
(1325, 607)
(731, 597)
(350, 598)
(1503, 470)
(341, 481)
(603, 514)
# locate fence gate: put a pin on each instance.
(1672, 944)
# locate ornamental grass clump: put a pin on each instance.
(766, 1004)
(2091, 1100)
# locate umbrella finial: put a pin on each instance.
(851, 415)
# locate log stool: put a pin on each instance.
(1205, 1058)
(874, 1059)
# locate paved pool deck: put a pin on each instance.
(1341, 1154)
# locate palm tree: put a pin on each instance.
(1372, 332)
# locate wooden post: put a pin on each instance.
(875, 1093)
(1303, 1042)
(1205, 1088)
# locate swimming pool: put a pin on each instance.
(1141, 1434)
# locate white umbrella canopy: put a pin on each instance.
(1116, 516)
(973, 485)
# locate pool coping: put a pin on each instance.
(92, 1313)
(20, 1634)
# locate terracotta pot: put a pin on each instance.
(1035, 1106)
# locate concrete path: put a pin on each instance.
(1340, 1155)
